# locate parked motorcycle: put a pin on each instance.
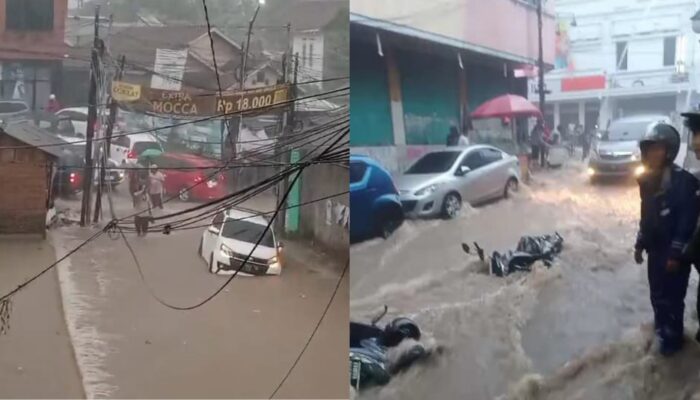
(370, 361)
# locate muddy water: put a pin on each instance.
(577, 330)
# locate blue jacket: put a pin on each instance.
(670, 214)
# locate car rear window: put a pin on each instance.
(140, 147)
(434, 163)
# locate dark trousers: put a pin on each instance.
(157, 200)
(536, 153)
(586, 149)
(544, 154)
(668, 291)
(141, 225)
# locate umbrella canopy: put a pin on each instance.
(148, 155)
(508, 105)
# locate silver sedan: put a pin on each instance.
(438, 183)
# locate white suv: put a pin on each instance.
(232, 236)
(126, 149)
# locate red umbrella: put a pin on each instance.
(508, 105)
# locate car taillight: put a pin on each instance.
(73, 177)
(131, 154)
(198, 179)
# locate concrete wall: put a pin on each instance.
(325, 222)
(395, 159)
(485, 23)
(643, 25)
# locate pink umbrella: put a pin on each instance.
(508, 105)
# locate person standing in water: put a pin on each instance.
(670, 204)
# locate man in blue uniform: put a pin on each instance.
(692, 122)
(669, 212)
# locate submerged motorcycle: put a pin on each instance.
(530, 250)
(372, 362)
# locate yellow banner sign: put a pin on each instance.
(184, 103)
(122, 91)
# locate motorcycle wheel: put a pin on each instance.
(400, 329)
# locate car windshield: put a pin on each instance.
(247, 231)
(627, 130)
(434, 163)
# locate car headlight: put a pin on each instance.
(226, 251)
(273, 260)
(427, 190)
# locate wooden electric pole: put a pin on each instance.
(107, 145)
(92, 118)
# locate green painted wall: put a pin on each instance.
(292, 217)
(430, 93)
(484, 83)
(370, 107)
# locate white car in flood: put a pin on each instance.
(232, 236)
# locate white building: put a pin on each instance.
(621, 57)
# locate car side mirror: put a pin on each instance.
(463, 170)
(280, 246)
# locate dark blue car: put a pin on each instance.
(375, 208)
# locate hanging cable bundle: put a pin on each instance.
(5, 311)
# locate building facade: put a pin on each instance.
(26, 178)
(619, 58)
(417, 69)
(31, 49)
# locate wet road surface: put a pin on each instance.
(128, 345)
(524, 336)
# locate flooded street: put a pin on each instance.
(578, 330)
(117, 323)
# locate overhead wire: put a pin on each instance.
(233, 276)
(315, 330)
(259, 110)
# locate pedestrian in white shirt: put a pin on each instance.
(155, 187)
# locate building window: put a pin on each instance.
(29, 15)
(621, 59)
(669, 51)
(260, 76)
(311, 54)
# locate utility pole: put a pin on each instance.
(107, 144)
(282, 217)
(286, 62)
(241, 77)
(540, 59)
(92, 117)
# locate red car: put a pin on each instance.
(181, 181)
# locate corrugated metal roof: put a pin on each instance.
(389, 26)
(28, 133)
